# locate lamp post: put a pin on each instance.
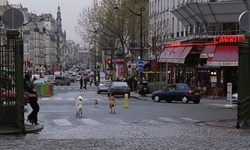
(141, 45)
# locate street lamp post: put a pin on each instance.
(141, 44)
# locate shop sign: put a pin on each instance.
(222, 63)
(228, 39)
(119, 60)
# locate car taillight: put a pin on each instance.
(190, 92)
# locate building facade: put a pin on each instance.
(202, 45)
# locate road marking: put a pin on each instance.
(71, 99)
(58, 98)
(62, 122)
(152, 121)
(45, 98)
(90, 122)
(222, 105)
(189, 119)
(117, 121)
(167, 119)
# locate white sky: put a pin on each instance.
(70, 10)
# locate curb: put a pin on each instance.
(13, 129)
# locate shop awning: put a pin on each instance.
(224, 55)
(176, 54)
(165, 54)
(208, 51)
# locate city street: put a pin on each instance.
(143, 125)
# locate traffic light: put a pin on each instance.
(109, 61)
(109, 64)
(28, 61)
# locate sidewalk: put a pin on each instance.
(13, 129)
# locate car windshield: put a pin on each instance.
(106, 82)
(120, 84)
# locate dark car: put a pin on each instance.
(118, 88)
(178, 92)
(103, 86)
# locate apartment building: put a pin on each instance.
(195, 43)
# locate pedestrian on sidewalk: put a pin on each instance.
(85, 82)
(135, 81)
(29, 88)
(90, 81)
(81, 82)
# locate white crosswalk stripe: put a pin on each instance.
(62, 122)
(90, 122)
(117, 121)
(93, 122)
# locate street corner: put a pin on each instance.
(29, 128)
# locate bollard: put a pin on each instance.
(125, 100)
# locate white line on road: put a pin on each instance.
(167, 119)
(90, 122)
(62, 122)
(45, 98)
(58, 98)
(189, 119)
(117, 121)
(72, 99)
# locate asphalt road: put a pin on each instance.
(143, 125)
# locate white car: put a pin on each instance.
(78, 77)
(234, 98)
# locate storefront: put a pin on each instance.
(212, 64)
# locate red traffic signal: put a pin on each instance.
(109, 61)
(28, 61)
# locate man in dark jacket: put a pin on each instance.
(81, 82)
(28, 87)
(85, 82)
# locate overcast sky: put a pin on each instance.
(70, 10)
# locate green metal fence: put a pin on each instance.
(11, 85)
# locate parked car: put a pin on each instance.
(103, 86)
(78, 77)
(49, 78)
(178, 92)
(72, 78)
(118, 88)
(40, 81)
(61, 80)
(234, 98)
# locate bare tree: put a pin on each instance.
(160, 35)
(118, 27)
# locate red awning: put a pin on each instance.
(176, 54)
(208, 51)
(224, 55)
(165, 54)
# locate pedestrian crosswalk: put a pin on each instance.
(116, 121)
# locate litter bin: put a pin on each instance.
(43, 89)
(38, 89)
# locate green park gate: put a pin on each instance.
(243, 113)
(12, 82)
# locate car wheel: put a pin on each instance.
(98, 92)
(57, 83)
(157, 98)
(196, 101)
(128, 95)
(108, 94)
(184, 99)
(68, 84)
